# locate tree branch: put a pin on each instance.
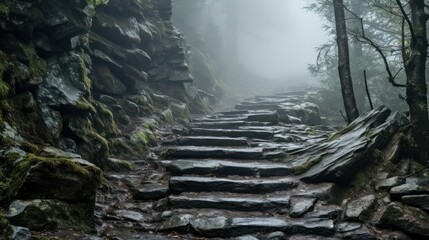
(410, 25)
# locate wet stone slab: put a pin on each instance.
(152, 191)
(214, 152)
(207, 184)
(258, 134)
(230, 202)
(301, 205)
(212, 141)
(224, 168)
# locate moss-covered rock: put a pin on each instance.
(5, 230)
(42, 215)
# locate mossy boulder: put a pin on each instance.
(43, 214)
(5, 229)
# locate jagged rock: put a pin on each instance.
(420, 201)
(387, 184)
(20, 233)
(122, 30)
(340, 157)
(407, 219)
(64, 84)
(56, 178)
(407, 189)
(104, 81)
(300, 206)
(51, 215)
(361, 208)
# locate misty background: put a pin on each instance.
(254, 46)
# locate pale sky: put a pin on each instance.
(280, 37)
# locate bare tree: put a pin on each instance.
(344, 62)
(415, 67)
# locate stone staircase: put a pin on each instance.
(226, 181)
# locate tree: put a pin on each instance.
(415, 68)
(344, 62)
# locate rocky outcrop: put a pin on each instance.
(93, 80)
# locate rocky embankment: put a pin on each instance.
(83, 86)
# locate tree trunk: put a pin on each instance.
(415, 67)
(344, 62)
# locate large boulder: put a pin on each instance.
(346, 152)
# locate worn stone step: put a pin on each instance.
(213, 141)
(272, 117)
(224, 168)
(259, 106)
(236, 202)
(214, 152)
(248, 133)
(239, 185)
(228, 226)
(224, 124)
(219, 119)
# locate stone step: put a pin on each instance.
(237, 185)
(225, 168)
(236, 202)
(224, 125)
(230, 226)
(259, 106)
(220, 119)
(214, 152)
(213, 141)
(259, 134)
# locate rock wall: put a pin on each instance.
(79, 77)
(83, 79)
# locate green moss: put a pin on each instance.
(85, 105)
(36, 65)
(5, 230)
(117, 165)
(167, 116)
(4, 8)
(97, 2)
(84, 72)
(306, 166)
(104, 121)
(91, 144)
(16, 172)
(343, 131)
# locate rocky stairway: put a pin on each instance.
(224, 183)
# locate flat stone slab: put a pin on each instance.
(236, 202)
(224, 125)
(361, 208)
(258, 134)
(212, 141)
(209, 184)
(420, 201)
(407, 189)
(224, 168)
(214, 152)
(257, 106)
(387, 184)
(301, 205)
(152, 191)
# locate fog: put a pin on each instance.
(253, 45)
(278, 40)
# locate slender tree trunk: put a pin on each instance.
(344, 62)
(415, 67)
